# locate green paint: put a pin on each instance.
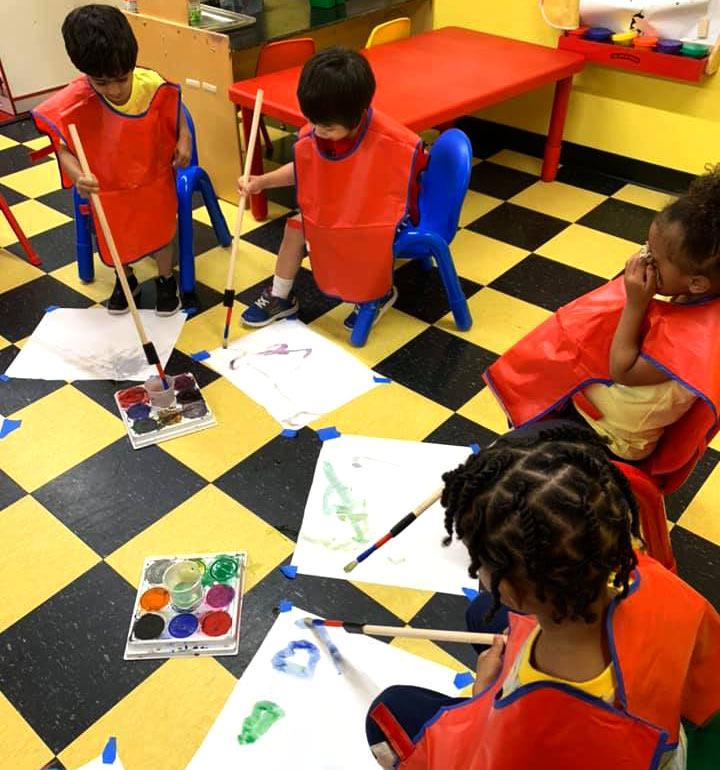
(263, 716)
(223, 568)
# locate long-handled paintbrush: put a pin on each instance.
(406, 521)
(431, 634)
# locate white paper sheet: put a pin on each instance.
(324, 723)
(676, 19)
(361, 488)
(293, 372)
(90, 344)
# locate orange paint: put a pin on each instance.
(154, 599)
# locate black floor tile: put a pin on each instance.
(268, 236)
(459, 431)
(203, 298)
(545, 282)
(439, 365)
(17, 393)
(15, 159)
(56, 247)
(423, 295)
(518, 226)
(698, 562)
(62, 665)
(117, 493)
(21, 130)
(624, 220)
(678, 501)
(10, 492)
(589, 179)
(60, 200)
(499, 181)
(11, 196)
(22, 308)
(204, 238)
(275, 481)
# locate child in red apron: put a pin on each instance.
(606, 650)
(642, 372)
(356, 173)
(133, 131)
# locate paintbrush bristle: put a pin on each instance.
(351, 566)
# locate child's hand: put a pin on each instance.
(87, 185)
(640, 281)
(183, 151)
(254, 185)
(489, 664)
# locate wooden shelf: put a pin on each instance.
(637, 60)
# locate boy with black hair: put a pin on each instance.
(133, 130)
(356, 173)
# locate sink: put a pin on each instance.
(221, 20)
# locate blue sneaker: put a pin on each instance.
(268, 308)
(385, 304)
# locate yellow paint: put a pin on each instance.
(671, 123)
(20, 747)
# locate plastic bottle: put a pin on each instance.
(194, 13)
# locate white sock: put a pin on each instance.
(282, 287)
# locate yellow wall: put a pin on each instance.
(660, 121)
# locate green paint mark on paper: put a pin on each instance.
(263, 716)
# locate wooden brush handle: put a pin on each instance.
(433, 635)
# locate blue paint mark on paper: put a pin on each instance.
(471, 593)
(4, 378)
(285, 605)
(289, 433)
(325, 434)
(110, 752)
(201, 355)
(8, 426)
(289, 570)
(475, 448)
(50, 308)
(463, 680)
(383, 380)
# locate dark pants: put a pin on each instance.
(413, 706)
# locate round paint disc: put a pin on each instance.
(223, 568)
(154, 599)
(195, 410)
(145, 425)
(216, 623)
(220, 596)
(138, 411)
(183, 625)
(149, 626)
(156, 570)
(184, 381)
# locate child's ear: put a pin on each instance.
(699, 284)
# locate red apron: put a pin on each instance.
(131, 156)
(571, 350)
(352, 205)
(663, 638)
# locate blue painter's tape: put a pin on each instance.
(383, 380)
(289, 433)
(50, 308)
(463, 680)
(110, 752)
(189, 310)
(475, 448)
(285, 606)
(289, 570)
(471, 593)
(4, 378)
(201, 355)
(8, 426)
(325, 434)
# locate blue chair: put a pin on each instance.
(188, 180)
(443, 186)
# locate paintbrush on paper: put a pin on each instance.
(321, 633)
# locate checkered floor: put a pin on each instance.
(79, 509)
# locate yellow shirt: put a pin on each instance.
(145, 84)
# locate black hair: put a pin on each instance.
(100, 41)
(547, 507)
(336, 86)
(698, 214)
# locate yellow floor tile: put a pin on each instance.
(35, 180)
(392, 331)
(38, 144)
(518, 160)
(20, 746)
(3, 342)
(403, 602)
(476, 205)
(701, 516)
(101, 287)
(249, 222)
(388, 411)
(483, 259)
(243, 426)
(205, 331)
(6, 142)
(15, 271)
(642, 196)
(57, 432)
(430, 651)
(161, 723)
(589, 250)
(484, 409)
(558, 200)
(33, 217)
(208, 522)
(32, 535)
(499, 320)
(715, 443)
(253, 264)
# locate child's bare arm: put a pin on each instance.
(183, 148)
(627, 367)
(71, 166)
(281, 177)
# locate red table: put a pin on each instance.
(431, 79)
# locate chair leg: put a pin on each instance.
(363, 323)
(456, 296)
(211, 204)
(426, 264)
(266, 139)
(186, 259)
(32, 257)
(83, 238)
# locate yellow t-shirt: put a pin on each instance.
(145, 84)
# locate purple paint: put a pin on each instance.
(183, 381)
(666, 45)
(220, 596)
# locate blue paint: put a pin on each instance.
(183, 625)
(289, 570)
(325, 434)
(4, 378)
(110, 752)
(8, 426)
(475, 448)
(322, 634)
(471, 593)
(288, 433)
(50, 308)
(285, 605)
(280, 660)
(463, 680)
(383, 380)
(599, 34)
(138, 411)
(201, 355)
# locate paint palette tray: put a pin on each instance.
(188, 606)
(149, 422)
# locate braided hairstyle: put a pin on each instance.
(698, 215)
(549, 508)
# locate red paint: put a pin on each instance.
(137, 395)
(216, 623)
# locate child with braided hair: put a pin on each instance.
(606, 649)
